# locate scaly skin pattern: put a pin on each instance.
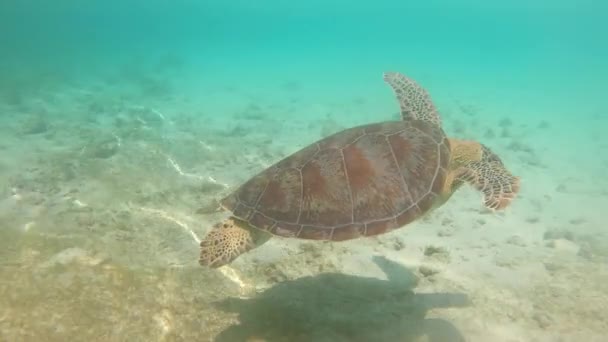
(476, 164)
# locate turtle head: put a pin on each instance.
(227, 240)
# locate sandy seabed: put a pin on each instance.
(105, 192)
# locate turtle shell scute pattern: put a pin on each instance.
(362, 181)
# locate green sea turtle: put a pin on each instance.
(362, 181)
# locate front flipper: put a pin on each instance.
(414, 101)
(227, 241)
(491, 177)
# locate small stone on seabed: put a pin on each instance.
(427, 271)
(552, 267)
(398, 244)
(543, 320)
(437, 253)
(516, 240)
(445, 233)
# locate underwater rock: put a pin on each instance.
(398, 244)
(506, 262)
(577, 221)
(533, 219)
(542, 319)
(437, 253)
(445, 233)
(427, 271)
(516, 240)
(447, 222)
(552, 267)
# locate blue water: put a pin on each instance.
(122, 121)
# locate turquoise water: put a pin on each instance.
(122, 122)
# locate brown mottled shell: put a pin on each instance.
(362, 181)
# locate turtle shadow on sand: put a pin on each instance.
(340, 307)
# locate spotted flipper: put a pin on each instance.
(414, 101)
(225, 242)
(490, 176)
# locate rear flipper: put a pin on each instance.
(491, 177)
